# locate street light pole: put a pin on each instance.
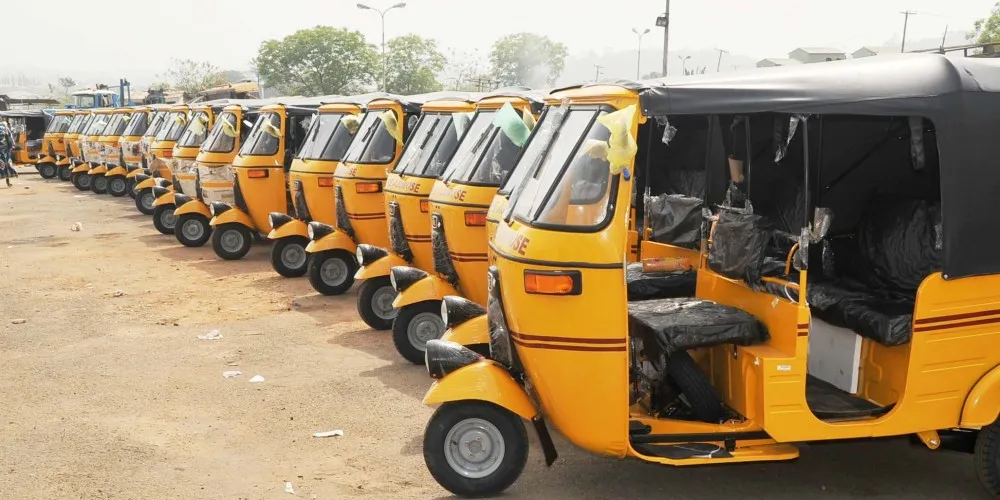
(684, 66)
(638, 54)
(664, 22)
(382, 14)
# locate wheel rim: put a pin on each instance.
(168, 219)
(49, 170)
(293, 256)
(147, 201)
(424, 327)
(333, 271)
(192, 230)
(100, 183)
(474, 448)
(85, 180)
(382, 302)
(232, 241)
(117, 185)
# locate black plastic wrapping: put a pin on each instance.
(461, 310)
(687, 323)
(885, 318)
(397, 235)
(658, 285)
(299, 198)
(238, 199)
(443, 357)
(676, 219)
(177, 184)
(738, 246)
(439, 249)
(899, 245)
(501, 349)
(343, 221)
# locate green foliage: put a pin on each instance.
(192, 77)
(527, 59)
(318, 61)
(67, 83)
(988, 30)
(412, 65)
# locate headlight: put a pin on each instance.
(278, 219)
(318, 230)
(443, 357)
(444, 312)
(456, 310)
(310, 232)
(402, 277)
(361, 258)
(211, 209)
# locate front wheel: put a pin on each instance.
(144, 201)
(65, 173)
(474, 448)
(47, 170)
(375, 303)
(117, 186)
(81, 180)
(231, 241)
(164, 219)
(289, 257)
(332, 272)
(414, 325)
(99, 184)
(192, 230)
(130, 187)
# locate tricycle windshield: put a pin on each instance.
(571, 184)
(156, 123)
(136, 125)
(328, 139)
(374, 144)
(98, 125)
(118, 124)
(222, 138)
(173, 126)
(487, 155)
(76, 124)
(195, 132)
(264, 137)
(59, 124)
(432, 145)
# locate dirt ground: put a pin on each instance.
(106, 391)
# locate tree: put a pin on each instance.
(160, 86)
(66, 83)
(412, 65)
(462, 68)
(318, 61)
(192, 77)
(527, 59)
(233, 76)
(987, 30)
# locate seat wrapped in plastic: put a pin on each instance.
(658, 285)
(900, 245)
(676, 220)
(686, 323)
(738, 246)
(885, 318)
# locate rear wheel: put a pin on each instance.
(144, 201)
(695, 386)
(65, 173)
(99, 184)
(164, 219)
(375, 303)
(117, 186)
(289, 257)
(474, 448)
(231, 241)
(987, 459)
(414, 325)
(192, 230)
(332, 272)
(82, 181)
(47, 170)
(130, 187)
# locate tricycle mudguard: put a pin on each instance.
(82, 169)
(63, 162)
(294, 227)
(132, 174)
(116, 171)
(45, 159)
(146, 184)
(99, 170)
(193, 207)
(233, 215)
(427, 288)
(982, 406)
(483, 381)
(472, 332)
(380, 267)
(336, 240)
(167, 199)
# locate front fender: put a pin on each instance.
(982, 406)
(294, 227)
(429, 287)
(146, 184)
(336, 240)
(167, 199)
(45, 159)
(472, 332)
(82, 169)
(99, 170)
(193, 207)
(380, 267)
(63, 162)
(116, 171)
(132, 174)
(483, 381)
(233, 215)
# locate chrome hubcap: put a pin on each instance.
(382, 303)
(333, 271)
(168, 219)
(100, 183)
(424, 327)
(474, 448)
(192, 229)
(117, 185)
(85, 180)
(293, 256)
(147, 201)
(232, 241)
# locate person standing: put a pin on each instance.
(6, 148)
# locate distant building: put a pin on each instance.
(772, 62)
(866, 51)
(816, 54)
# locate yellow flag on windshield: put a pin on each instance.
(621, 145)
(351, 122)
(392, 125)
(228, 128)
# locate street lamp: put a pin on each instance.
(684, 61)
(382, 13)
(638, 55)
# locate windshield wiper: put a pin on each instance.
(542, 155)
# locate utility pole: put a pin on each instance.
(906, 20)
(638, 52)
(664, 22)
(718, 65)
(597, 77)
(684, 66)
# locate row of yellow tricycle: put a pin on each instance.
(703, 270)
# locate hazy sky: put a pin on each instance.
(44, 37)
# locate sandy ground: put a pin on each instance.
(105, 396)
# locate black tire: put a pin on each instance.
(65, 173)
(705, 402)
(318, 262)
(289, 257)
(99, 184)
(47, 170)
(188, 237)
(987, 459)
(227, 245)
(130, 187)
(81, 180)
(163, 219)
(411, 337)
(455, 415)
(367, 296)
(117, 186)
(144, 201)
